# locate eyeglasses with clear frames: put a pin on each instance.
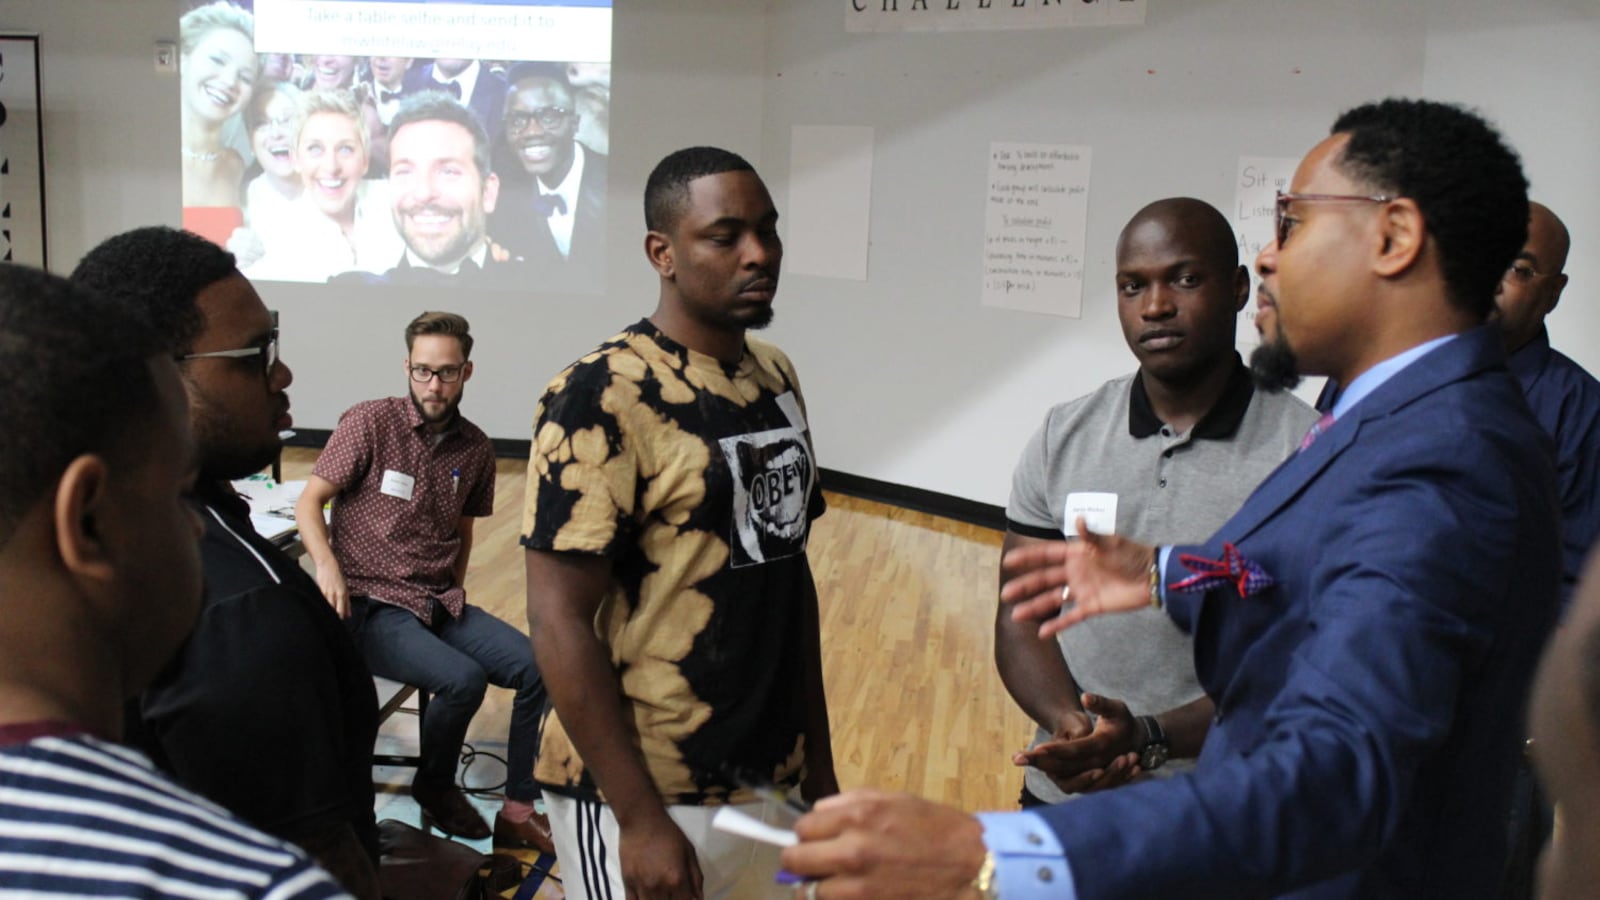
(1282, 222)
(547, 116)
(448, 374)
(267, 351)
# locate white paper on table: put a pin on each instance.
(271, 503)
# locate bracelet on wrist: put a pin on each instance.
(984, 884)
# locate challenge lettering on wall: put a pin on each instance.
(21, 152)
(988, 15)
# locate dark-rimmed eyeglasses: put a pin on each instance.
(448, 374)
(548, 117)
(1284, 222)
(268, 352)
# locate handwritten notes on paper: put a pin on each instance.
(1036, 216)
(1254, 202)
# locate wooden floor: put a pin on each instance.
(907, 649)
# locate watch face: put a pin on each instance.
(1153, 757)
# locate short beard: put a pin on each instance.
(449, 412)
(1273, 365)
(762, 319)
(225, 452)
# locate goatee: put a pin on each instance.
(1274, 367)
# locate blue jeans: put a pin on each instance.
(454, 661)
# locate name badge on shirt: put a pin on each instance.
(397, 484)
(1099, 511)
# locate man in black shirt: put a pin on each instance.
(268, 709)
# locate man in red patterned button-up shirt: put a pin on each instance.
(408, 476)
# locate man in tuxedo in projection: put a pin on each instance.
(387, 84)
(268, 709)
(468, 81)
(671, 489)
(1167, 453)
(554, 209)
(1367, 623)
(442, 191)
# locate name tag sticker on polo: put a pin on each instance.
(398, 484)
(1099, 511)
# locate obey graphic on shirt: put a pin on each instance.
(772, 474)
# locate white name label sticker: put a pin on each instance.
(1099, 511)
(398, 484)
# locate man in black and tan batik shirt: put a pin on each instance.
(670, 494)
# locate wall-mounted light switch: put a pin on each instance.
(166, 56)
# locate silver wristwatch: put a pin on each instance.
(1154, 749)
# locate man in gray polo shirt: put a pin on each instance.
(1164, 456)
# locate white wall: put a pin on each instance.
(908, 378)
(1534, 68)
(110, 122)
(911, 381)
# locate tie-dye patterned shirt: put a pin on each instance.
(698, 481)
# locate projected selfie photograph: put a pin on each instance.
(476, 153)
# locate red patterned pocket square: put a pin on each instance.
(1232, 569)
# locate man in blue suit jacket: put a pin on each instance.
(1368, 622)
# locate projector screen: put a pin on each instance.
(400, 141)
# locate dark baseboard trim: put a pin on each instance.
(308, 437)
(932, 502)
(507, 448)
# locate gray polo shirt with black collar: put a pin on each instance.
(1108, 457)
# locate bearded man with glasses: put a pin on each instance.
(408, 476)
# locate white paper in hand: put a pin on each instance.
(735, 821)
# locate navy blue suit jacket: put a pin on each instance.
(1566, 401)
(1369, 705)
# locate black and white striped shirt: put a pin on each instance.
(80, 816)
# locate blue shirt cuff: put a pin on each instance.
(1163, 553)
(1029, 863)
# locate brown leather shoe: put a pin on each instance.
(532, 833)
(449, 810)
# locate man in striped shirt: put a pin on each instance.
(100, 579)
